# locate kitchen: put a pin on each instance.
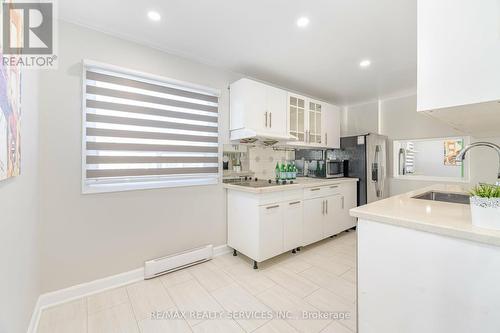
(264, 166)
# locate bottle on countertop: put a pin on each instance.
(283, 171)
(277, 170)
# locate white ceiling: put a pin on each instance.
(260, 38)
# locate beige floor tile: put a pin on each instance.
(330, 302)
(350, 275)
(335, 327)
(235, 299)
(107, 299)
(210, 276)
(254, 281)
(68, 317)
(227, 260)
(328, 264)
(190, 296)
(180, 276)
(296, 265)
(331, 282)
(281, 300)
(164, 326)
(276, 326)
(292, 281)
(118, 319)
(218, 326)
(147, 297)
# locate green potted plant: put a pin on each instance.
(485, 206)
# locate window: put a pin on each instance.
(430, 159)
(142, 131)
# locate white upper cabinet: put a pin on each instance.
(258, 107)
(314, 111)
(313, 123)
(276, 106)
(330, 132)
(459, 63)
(297, 116)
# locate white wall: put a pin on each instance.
(19, 222)
(429, 161)
(359, 119)
(86, 237)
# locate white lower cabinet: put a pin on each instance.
(349, 199)
(293, 212)
(271, 230)
(333, 218)
(313, 220)
(262, 226)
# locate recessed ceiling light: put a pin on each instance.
(154, 16)
(365, 63)
(302, 22)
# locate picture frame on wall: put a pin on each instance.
(10, 114)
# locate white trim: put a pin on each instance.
(35, 317)
(221, 250)
(147, 185)
(61, 296)
(148, 76)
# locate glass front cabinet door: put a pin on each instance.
(314, 111)
(297, 117)
(305, 116)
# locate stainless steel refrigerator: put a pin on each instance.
(368, 159)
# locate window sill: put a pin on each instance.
(432, 179)
(95, 188)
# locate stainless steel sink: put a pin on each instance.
(445, 197)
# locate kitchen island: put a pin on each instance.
(423, 267)
(268, 220)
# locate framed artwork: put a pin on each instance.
(10, 114)
(451, 150)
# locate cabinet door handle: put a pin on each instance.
(294, 203)
(326, 138)
(266, 118)
(271, 207)
(326, 207)
(316, 189)
(342, 202)
(334, 186)
(270, 119)
(323, 207)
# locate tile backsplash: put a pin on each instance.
(263, 160)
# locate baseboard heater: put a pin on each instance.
(164, 265)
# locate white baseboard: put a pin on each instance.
(221, 250)
(57, 297)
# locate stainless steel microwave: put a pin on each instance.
(335, 168)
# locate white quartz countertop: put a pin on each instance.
(449, 219)
(299, 183)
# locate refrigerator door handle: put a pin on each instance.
(376, 171)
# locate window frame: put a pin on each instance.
(395, 164)
(149, 182)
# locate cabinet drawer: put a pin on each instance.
(321, 191)
(281, 196)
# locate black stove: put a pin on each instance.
(255, 182)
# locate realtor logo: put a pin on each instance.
(34, 35)
(28, 34)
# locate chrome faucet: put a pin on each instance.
(461, 156)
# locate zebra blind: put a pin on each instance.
(145, 133)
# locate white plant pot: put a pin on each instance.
(485, 212)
